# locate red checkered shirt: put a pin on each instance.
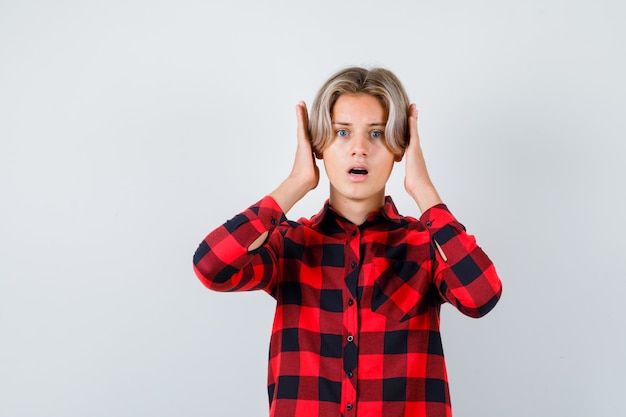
(356, 328)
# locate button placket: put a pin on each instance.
(350, 349)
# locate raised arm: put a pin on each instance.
(228, 259)
(463, 273)
(304, 175)
(417, 181)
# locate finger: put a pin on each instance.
(303, 121)
(413, 115)
(305, 114)
(413, 134)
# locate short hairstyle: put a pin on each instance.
(378, 82)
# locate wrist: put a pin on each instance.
(425, 195)
(289, 192)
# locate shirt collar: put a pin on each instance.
(329, 216)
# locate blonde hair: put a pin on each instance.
(377, 82)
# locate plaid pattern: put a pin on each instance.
(356, 329)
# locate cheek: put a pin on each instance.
(390, 162)
(330, 163)
(386, 157)
(332, 154)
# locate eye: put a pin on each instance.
(377, 134)
(342, 133)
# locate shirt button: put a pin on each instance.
(349, 407)
(274, 221)
(353, 264)
(354, 233)
(350, 302)
(350, 338)
(429, 223)
(349, 374)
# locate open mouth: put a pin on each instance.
(358, 171)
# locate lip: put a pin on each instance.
(358, 177)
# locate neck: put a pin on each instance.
(355, 210)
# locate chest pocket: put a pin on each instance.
(401, 289)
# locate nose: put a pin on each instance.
(360, 144)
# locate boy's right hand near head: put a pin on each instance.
(305, 174)
(304, 167)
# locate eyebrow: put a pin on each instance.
(349, 124)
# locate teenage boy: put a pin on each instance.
(358, 287)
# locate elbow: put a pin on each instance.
(213, 274)
(479, 308)
(216, 279)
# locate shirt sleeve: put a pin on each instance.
(463, 273)
(222, 261)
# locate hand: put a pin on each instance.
(417, 181)
(304, 174)
(304, 167)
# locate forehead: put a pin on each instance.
(358, 107)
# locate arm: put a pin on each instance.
(238, 255)
(463, 273)
(304, 175)
(223, 262)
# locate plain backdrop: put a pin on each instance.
(130, 129)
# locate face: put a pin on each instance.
(357, 160)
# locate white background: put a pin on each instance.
(130, 129)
